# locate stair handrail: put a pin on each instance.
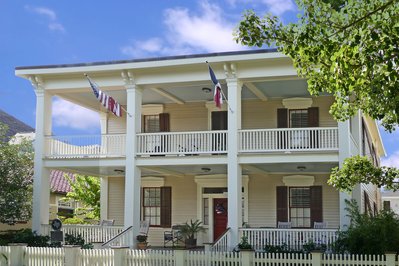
(220, 244)
(126, 231)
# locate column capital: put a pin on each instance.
(128, 79)
(38, 83)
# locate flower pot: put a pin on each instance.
(141, 245)
(191, 242)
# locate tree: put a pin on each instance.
(346, 48)
(16, 171)
(86, 190)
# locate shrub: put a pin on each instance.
(244, 244)
(78, 241)
(24, 236)
(369, 234)
(74, 220)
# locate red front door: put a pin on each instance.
(219, 217)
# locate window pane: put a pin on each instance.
(298, 118)
(152, 205)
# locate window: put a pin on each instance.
(300, 207)
(156, 206)
(298, 118)
(152, 205)
(205, 211)
(387, 205)
(151, 123)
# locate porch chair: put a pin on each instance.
(284, 225)
(107, 222)
(320, 225)
(173, 236)
(144, 227)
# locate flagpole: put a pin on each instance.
(87, 76)
(224, 96)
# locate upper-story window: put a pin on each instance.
(151, 123)
(298, 118)
(295, 118)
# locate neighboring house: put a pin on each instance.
(390, 200)
(18, 130)
(59, 187)
(263, 158)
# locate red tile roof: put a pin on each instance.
(58, 182)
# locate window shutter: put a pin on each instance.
(316, 205)
(282, 204)
(166, 206)
(282, 117)
(164, 122)
(313, 117)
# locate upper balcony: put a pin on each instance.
(323, 139)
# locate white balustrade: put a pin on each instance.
(90, 233)
(85, 146)
(292, 238)
(289, 139)
(221, 244)
(182, 143)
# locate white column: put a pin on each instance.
(344, 152)
(104, 198)
(104, 123)
(132, 173)
(41, 188)
(234, 171)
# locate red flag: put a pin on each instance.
(106, 100)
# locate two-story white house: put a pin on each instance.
(263, 158)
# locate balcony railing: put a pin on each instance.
(85, 146)
(289, 139)
(182, 143)
(194, 143)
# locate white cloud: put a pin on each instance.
(188, 32)
(279, 7)
(392, 160)
(67, 114)
(56, 27)
(50, 14)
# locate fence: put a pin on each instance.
(74, 256)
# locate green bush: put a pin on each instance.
(78, 241)
(74, 220)
(24, 236)
(369, 234)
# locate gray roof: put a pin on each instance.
(163, 58)
(14, 125)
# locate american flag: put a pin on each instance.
(217, 94)
(106, 100)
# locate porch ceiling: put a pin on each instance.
(181, 170)
(190, 92)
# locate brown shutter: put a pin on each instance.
(166, 206)
(282, 117)
(164, 122)
(316, 205)
(282, 204)
(313, 117)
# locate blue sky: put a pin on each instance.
(61, 32)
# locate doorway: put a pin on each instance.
(219, 217)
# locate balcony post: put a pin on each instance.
(41, 191)
(234, 171)
(132, 172)
(344, 152)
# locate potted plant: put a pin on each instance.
(244, 244)
(189, 231)
(141, 241)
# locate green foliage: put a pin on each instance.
(74, 220)
(16, 171)
(86, 190)
(24, 236)
(359, 169)
(141, 238)
(277, 249)
(369, 234)
(244, 244)
(344, 48)
(77, 241)
(190, 229)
